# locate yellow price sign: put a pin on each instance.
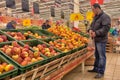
(26, 22)
(89, 16)
(76, 17)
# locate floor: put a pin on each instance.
(112, 70)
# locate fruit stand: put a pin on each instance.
(41, 54)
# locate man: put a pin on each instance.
(46, 25)
(11, 25)
(99, 32)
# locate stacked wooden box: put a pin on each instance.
(109, 45)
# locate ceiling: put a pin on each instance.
(112, 7)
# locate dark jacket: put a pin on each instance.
(10, 26)
(45, 26)
(101, 25)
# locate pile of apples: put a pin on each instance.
(3, 38)
(22, 55)
(5, 67)
(65, 45)
(17, 35)
(36, 35)
(47, 51)
(67, 33)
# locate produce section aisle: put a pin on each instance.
(112, 70)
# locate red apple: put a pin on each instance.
(44, 45)
(31, 55)
(19, 60)
(8, 51)
(25, 50)
(43, 51)
(24, 63)
(1, 40)
(24, 54)
(19, 34)
(40, 47)
(15, 44)
(51, 48)
(26, 46)
(27, 59)
(4, 37)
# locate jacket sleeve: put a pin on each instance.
(90, 28)
(106, 23)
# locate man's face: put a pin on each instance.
(94, 10)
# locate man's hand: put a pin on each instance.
(92, 33)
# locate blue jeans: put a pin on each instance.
(100, 57)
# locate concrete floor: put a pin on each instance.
(112, 70)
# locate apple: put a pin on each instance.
(12, 33)
(44, 45)
(15, 44)
(47, 50)
(19, 34)
(43, 51)
(24, 63)
(27, 59)
(33, 60)
(2, 49)
(15, 50)
(9, 67)
(24, 54)
(4, 64)
(40, 47)
(36, 49)
(1, 40)
(19, 60)
(25, 50)
(26, 46)
(8, 51)
(4, 38)
(15, 57)
(31, 55)
(51, 48)
(36, 54)
(48, 54)
(39, 58)
(1, 68)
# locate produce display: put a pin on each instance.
(67, 34)
(47, 51)
(5, 67)
(22, 55)
(3, 38)
(65, 45)
(17, 35)
(36, 35)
